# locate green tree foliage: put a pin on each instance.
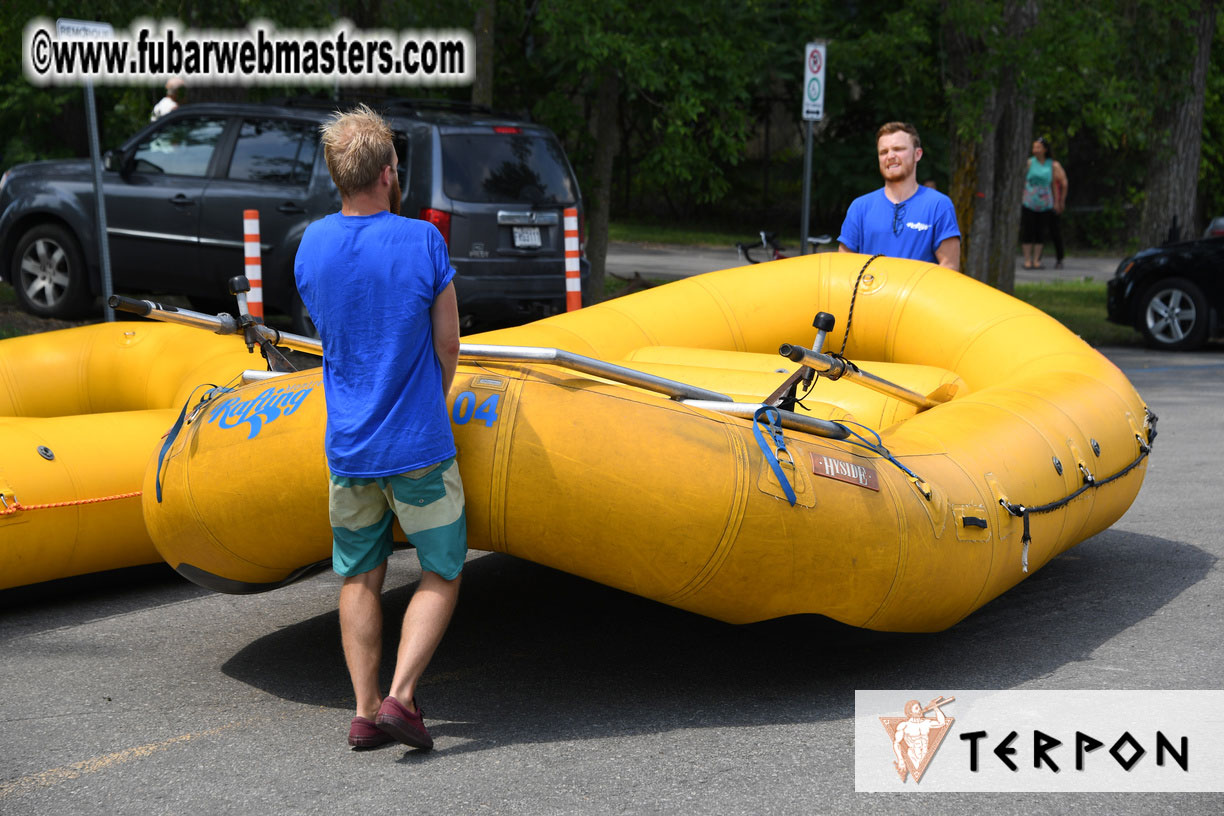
(657, 104)
(1211, 165)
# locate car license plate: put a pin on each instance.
(527, 237)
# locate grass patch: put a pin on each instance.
(1080, 306)
(8, 300)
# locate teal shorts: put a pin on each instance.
(429, 505)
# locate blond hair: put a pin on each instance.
(357, 146)
(899, 127)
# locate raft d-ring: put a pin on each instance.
(1088, 477)
(788, 456)
(4, 501)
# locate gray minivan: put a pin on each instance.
(494, 186)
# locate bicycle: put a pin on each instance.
(769, 241)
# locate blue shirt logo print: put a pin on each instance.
(268, 406)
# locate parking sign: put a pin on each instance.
(814, 80)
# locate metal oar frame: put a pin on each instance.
(269, 339)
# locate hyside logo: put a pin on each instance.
(916, 737)
(266, 406)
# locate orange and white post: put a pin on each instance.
(254, 270)
(573, 272)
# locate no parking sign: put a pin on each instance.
(814, 81)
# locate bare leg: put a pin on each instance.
(361, 634)
(1028, 255)
(425, 622)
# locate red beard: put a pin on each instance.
(395, 195)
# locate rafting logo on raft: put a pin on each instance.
(916, 737)
(267, 406)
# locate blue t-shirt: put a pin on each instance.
(369, 282)
(911, 229)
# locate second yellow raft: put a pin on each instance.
(1036, 443)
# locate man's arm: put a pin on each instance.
(843, 248)
(948, 253)
(1060, 188)
(444, 313)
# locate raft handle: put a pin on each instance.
(471, 352)
(132, 305)
(834, 367)
(790, 420)
(974, 521)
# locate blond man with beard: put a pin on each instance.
(903, 219)
(379, 290)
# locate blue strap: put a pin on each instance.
(178, 426)
(773, 424)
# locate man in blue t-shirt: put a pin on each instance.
(902, 219)
(378, 288)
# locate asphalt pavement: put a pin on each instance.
(670, 261)
(139, 693)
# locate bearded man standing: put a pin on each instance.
(379, 290)
(903, 219)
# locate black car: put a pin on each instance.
(495, 186)
(1172, 294)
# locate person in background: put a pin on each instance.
(174, 94)
(1045, 197)
(902, 219)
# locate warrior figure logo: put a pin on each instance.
(916, 737)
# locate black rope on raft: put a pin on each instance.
(853, 297)
(1023, 511)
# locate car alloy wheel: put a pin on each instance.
(44, 273)
(49, 273)
(1174, 315)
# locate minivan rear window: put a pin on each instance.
(499, 168)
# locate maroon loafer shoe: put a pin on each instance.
(364, 733)
(406, 726)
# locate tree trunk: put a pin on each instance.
(988, 151)
(482, 84)
(606, 129)
(1013, 142)
(1173, 158)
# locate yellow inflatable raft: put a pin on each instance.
(1003, 441)
(80, 412)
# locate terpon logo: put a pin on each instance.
(267, 406)
(916, 737)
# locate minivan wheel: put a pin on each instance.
(1173, 315)
(49, 274)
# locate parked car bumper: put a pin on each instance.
(513, 291)
(1117, 291)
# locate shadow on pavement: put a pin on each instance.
(41, 607)
(535, 655)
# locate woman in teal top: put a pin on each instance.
(1045, 196)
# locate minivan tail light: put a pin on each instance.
(506, 129)
(440, 219)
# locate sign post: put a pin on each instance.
(86, 30)
(814, 56)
